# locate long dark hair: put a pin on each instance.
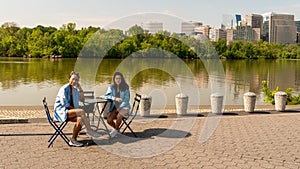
(123, 86)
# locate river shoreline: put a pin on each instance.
(15, 113)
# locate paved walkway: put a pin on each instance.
(30, 112)
(240, 141)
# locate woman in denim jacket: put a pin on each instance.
(66, 108)
(119, 93)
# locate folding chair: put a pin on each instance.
(132, 114)
(89, 108)
(58, 129)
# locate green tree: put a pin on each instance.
(221, 46)
(9, 28)
(9, 45)
(71, 46)
(135, 30)
(36, 43)
(127, 47)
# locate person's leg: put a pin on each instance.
(76, 130)
(79, 113)
(111, 117)
(114, 114)
(121, 114)
(77, 126)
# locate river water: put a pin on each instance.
(25, 82)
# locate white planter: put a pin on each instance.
(181, 101)
(216, 101)
(145, 105)
(280, 100)
(249, 101)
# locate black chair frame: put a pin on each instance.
(132, 115)
(58, 128)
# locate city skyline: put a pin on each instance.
(97, 13)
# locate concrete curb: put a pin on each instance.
(27, 114)
(13, 120)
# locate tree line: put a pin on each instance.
(43, 41)
(67, 41)
(260, 49)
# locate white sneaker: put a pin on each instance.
(92, 133)
(113, 133)
(75, 143)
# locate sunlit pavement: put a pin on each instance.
(265, 139)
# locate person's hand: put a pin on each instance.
(78, 87)
(118, 99)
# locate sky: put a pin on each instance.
(100, 13)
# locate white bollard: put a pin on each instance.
(216, 101)
(181, 101)
(249, 101)
(280, 100)
(145, 105)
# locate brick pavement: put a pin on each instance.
(30, 112)
(252, 141)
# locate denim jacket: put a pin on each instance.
(63, 100)
(124, 95)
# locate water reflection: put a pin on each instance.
(26, 81)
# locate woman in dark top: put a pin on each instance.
(119, 93)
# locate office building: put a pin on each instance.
(254, 20)
(216, 34)
(257, 34)
(153, 27)
(229, 36)
(279, 28)
(238, 20)
(244, 22)
(203, 29)
(245, 33)
(297, 23)
(265, 31)
(188, 28)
